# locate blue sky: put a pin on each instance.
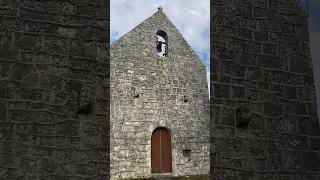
(314, 33)
(191, 17)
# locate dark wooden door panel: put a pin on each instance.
(166, 152)
(161, 155)
(155, 152)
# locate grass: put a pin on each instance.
(194, 177)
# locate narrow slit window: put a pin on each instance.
(162, 46)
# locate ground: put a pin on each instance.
(197, 177)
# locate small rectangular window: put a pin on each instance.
(186, 153)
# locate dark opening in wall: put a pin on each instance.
(136, 96)
(185, 98)
(186, 153)
(162, 43)
(86, 108)
(243, 117)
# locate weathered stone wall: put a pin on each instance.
(54, 58)
(261, 60)
(161, 83)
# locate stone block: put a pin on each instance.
(296, 142)
(42, 152)
(30, 94)
(48, 165)
(56, 45)
(66, 168)
(290, 92)
(6, 40)
(232, 21)
(99, 154)
(287, 28)
(22, 149)
(81, 155)
(5, 72)
(261, 12)
(237, 44)
(257, 122)
(314, 125)
(43, 129)
(68, 128)
(51, 141)
(269, 48)
(73, 86)
(260, 35)
(8, 160)
(28, 163)
(238, 92)
(310, 161)
(221, 91)
(21, 71)
(227, 174)
(298, 108)
(272, 109)
(88, 169)
(292, 161)
(14, 173)
(29, 14)
(17, 115)
(269, 24)
(64, 155)
(51, 6)
(233, 69)
(86, 32)
(68, 8)
(297, 64)
(26, 138)
(268, 61)
(6, 147)
(78, 48)
(66, 32)
(315, 144)
(305, 93)
(307, 80)
(28, 42)
(50, 82)
(44, 117)
(37, 27)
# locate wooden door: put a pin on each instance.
(161, 157)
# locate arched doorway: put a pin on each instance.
(161, 155)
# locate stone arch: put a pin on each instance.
(162, 43)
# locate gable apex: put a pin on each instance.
(144, 35)
(159, 17)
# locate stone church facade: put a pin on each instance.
(159, 103)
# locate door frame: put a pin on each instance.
(165, 128)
